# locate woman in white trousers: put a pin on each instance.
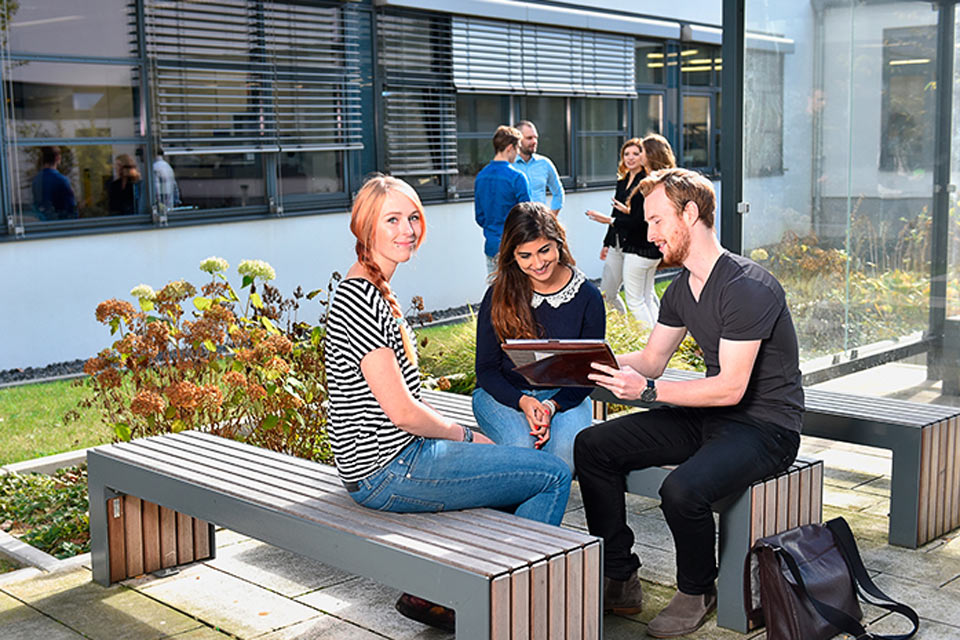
(630, 260)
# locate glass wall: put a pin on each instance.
(839, 120)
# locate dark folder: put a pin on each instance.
(558, 363)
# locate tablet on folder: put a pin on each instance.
(558, 363)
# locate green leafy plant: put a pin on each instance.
(243, 369)
(47, 512)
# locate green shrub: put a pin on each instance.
(47, 512)
(248, 370)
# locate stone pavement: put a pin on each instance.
(253, 590)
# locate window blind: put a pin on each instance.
(248, 75)
(524, 58)
(419, 98)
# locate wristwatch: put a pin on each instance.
(467, 434)
(650, 393)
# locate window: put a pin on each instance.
(909, 99)
(700, 67)
(247, 77)
(550, 116)
(478, 116)
(601, 129)
(419, 102)
(763, 109)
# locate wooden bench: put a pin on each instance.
(769, 506)
(506, 577)
(923, 438)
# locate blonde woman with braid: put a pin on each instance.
(394, 452)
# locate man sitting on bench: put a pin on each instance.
(739, 424)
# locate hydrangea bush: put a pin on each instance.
(243, 369)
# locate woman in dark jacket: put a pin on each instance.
(629, 258)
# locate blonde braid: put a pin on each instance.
(364, 257)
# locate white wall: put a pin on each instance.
(51, 287)
(698, 11)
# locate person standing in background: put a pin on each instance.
(540, 170)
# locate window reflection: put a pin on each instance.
(215, 181)
(66, 100)
(550, 116)
(600, 132)
(66, 182)
(648, 114)
(311, 172)
(69, 27)
(696, 128)
(650, 63)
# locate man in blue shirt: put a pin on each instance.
(53, 197)
(539, 170)
(497, 188)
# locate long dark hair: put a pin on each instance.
(510, 313)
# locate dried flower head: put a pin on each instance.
(256, 269)
(256, 391)
(146, 403)
(143, 292)
(759, 255)
(235, 379)
(176, 291)
(277, 364)
(113, 308)
(211, 398)
(214, 264)
(184, 395)
(109, 379)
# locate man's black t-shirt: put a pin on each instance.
(742, 301)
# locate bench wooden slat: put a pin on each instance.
(151, 536)
(500, 608)
(115, 530)
(133, 533)
(520, 604)
(805, 492)
(184, 539)
(539, 609)
(556, 597)
(315, 511)
(954, 475)
(168, 538)
(592, 596)
(574, 580)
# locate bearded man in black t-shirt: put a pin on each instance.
(737, 425)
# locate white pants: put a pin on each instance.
(636, 275)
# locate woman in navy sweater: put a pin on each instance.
(537, 292)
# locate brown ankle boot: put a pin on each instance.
(623, 597)
(683, 615)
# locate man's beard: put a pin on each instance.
(679, 250)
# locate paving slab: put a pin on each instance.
(114, 613)
(930, 602)
(847, 478)
(322, 628)
(275, 569)
(224, 601)
(840, 458)
(369, 604)
(929, 630)
(21, 622)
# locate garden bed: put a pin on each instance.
(48, 512)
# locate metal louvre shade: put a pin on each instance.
(419, 99)
(524, 58)
(260, 76)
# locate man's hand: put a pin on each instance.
(479, 438)
(603, 253)
(625, 382)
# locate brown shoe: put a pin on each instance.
(683, 615)
(623, 597)
(427, 612)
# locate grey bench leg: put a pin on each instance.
(734, 546)
(98, 494)
(905, 491)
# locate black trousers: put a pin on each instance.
(716, 454)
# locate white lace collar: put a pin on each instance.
(568, 293)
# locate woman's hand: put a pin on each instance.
(479, 438)
(538, 417)
(596, 216)
(619, 206)
(603, 253)
(625, 382)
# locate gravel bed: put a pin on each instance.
(54, 371)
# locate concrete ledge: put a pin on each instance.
(47, 464)
(24, 554)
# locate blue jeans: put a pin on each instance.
(506, 425)
(443, 475)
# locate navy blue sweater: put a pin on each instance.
(576, 311)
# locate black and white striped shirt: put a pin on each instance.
(362, 436)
